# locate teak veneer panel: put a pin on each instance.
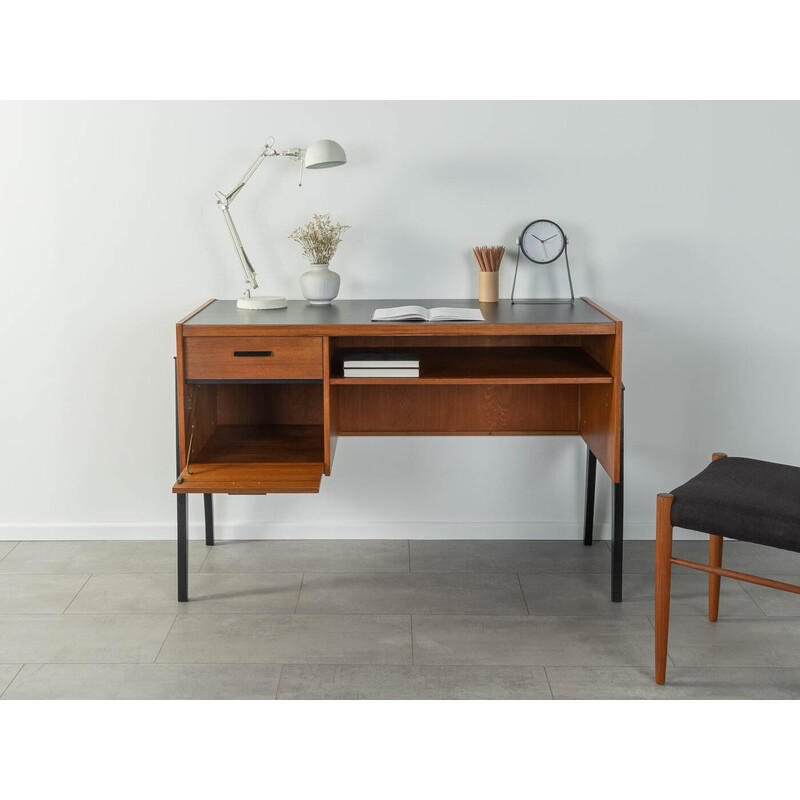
(262, 443)
(200, 418)
(330, 403)
(249, 478)
(430, 409)
(269, 404)
(234, 357)
(601, 406)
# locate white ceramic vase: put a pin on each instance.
(320, 284)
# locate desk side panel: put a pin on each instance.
(180, 400)
(197, 406)
(601, 405)
(330, 404)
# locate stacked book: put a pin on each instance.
(381, 365)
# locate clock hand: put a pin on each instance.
(548, 238)
(535, 237)
(545, 250)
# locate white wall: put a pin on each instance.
(682, 219)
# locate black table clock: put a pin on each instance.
(543, 242)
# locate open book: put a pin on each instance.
(403, 313)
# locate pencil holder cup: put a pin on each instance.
(488, 289)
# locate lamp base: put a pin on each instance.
(261, 303)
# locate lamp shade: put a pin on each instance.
(324, 153)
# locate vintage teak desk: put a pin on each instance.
(261, 399)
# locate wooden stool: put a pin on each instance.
(741, 498)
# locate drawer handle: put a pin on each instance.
(251, 353)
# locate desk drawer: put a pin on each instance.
(252, 357)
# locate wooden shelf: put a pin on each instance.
(253, 444)
(512, 365)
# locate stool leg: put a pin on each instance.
(714, 560)
(663, 579)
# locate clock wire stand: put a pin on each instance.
(543, 300)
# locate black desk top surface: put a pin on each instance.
(359, 312)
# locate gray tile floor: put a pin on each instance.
(385, 620)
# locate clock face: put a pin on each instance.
(542, 241)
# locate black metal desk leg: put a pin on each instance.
(617, 514)
(591, 482)
(183, 533)
(616, 544)
(183, 551)
(208, 508)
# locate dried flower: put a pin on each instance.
(319, 238)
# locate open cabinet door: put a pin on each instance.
(250, 478)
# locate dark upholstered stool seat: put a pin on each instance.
(742, 498)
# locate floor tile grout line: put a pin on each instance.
(408, 542)
(75, 596)
(488, 570)
(16, 545)
(101, 573)
(155, 660)
(504, 615)
(3, 573)
(205, 558)
(549, 685)
(411, 617)
(518, 617)
(11, 681)
(653, 626)
(297, 602)
(743, 584)
(389, 664)
(278, 686)
(401, 664)
(651, 620)
(524, 599)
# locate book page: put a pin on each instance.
(456, 314)
(400, 313)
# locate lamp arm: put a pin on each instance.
(224, 201)
(247, 267)
(228, 198)
(295, 153)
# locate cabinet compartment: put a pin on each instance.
(253, 438)
(544, 360)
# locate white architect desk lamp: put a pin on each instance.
(323, 153)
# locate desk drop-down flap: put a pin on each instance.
(250, 478)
